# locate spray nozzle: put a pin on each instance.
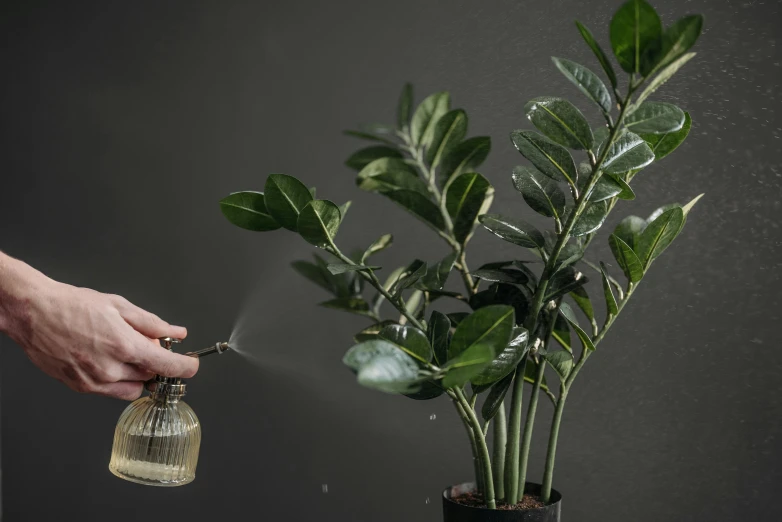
(217, 348)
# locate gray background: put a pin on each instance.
(123, 124)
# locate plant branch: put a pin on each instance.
(498, 459)
(488, 497)
(473, 442)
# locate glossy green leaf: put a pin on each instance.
(664, 144)
(505, 361)
(629, 152)
(571, 252)
(341, 268)
(626, 191)
(367, 136)
(561, 332)
(513, 230)
(655, 118)
(409, 339)
(438, 334)
(343, 210)
(404, 110)
(560, 121)
(388, 174)
(457, 317)
(634, 28)
(658, 235)
(563, 282)
(448, 133)
(429, 390)
(601, 135)
(567, 312)
(248, 210)
(503, 294)
(494, 399)
(378, 245)
(611, 306)
(658, 211)
(676, 40)
(425, 117)
(501, 275)
(468, 196)
(629, 229)
(562, 362)
(418, 205)
(591, 219)
(372, 331)
(540, 192)
(582, 300)
(354, 305)
(464, 157)
(599, 53)
(663, 77)
(340, 283)
(285, 198)
(383, 366)
(462, 368)
(626, 258)
(361, 158)
(318, 222)
(491, 326)
(586, 81)
(551, 159)
(415, 271)
(606, 187)
(437, 275)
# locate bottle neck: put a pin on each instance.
(167, 389)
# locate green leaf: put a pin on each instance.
(429, 390)
(469, 195)
(626, 258)
(501, 275)
(437, 275)
(586, 81)
(634, 28)
(313, 273)
(606, 187)
(663, 77)
(415, 271)
(563, 282)
(491, 326)
(531, 373)
(655, 118)
(551, 159)
(513, 230)
(611, 305)
(599, 53)
(340, 283)
(686, 208)
(361, 158)
(388, 174)
(448, 132)
(629, 152)
(367, 136)
(540, 192)
(383, 366)
(285, 198)
(464, 157)
(318, 222)
(505, 362)
(353, 305)
(567, 312)
(560, 121)
(425, 117)
(438, 332)
(378, 245)
(676, 41)
(626, 191)
(343, 209)
(561, 332)
(562, 362)
(503, 294)
(593, 217)
(570, 253)
(664, 144)
(658, 235)
(404, 109)
(581, 298)
(629, 229)
(457, 317)
(494, 399)
(372, 331)
(341, 268)
(248, 210)
(418, 205)
(409, 339)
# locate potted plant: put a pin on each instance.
(519, 326)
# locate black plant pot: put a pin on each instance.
(455, 512)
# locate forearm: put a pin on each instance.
(18, 282)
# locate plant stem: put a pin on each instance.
(513, 438)
(548, 475)
(483, 450)
(473, 443)
(529, 424)
(498, 459)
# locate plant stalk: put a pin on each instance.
(513, 437)
(548, 474)
(483, 450)
(473, 443)
(529, 424)
(498, 459)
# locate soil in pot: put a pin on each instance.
(472, 499)
(461, 503)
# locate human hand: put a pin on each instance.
(93, 342)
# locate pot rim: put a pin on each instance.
(464, 487)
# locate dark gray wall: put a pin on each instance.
(123, 123)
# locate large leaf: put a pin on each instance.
(540, 192)
(629, 229)
(494, 399)
(353, 305)
(634, 28)
(248, 210)
(361, 158)
(425, 117)
(318, 222)
(513, 230)
(591, 219)
(383, 366)
(418, 205)
(581, 298)
(285, 198)
(469, 195)
(464, 157)
(437, 275)
(664, 144)
(448, 132)
(658, 235)
(626, 258)
(562, 362)
(438, 332)
(503, 294)
(567, 312)
(586, 81)
(388, 174)
(663, 77)
(404, 110)
(551, 159)
(378, 245)
(429, 390)
(506, 360)
(409, 339)
(655, 118)
(629, 152)
(560, 121)
(676, 40)
(599, 53)
(563, 282)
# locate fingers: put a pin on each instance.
(132, 372)
(152, 357)
(146, 323)
(125, 390)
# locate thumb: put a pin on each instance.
(148, 324)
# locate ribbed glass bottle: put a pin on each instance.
(156, 442)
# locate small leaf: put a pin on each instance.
(285, 198)
(378, 245)
(343, 209)
(658, 235)
(570, 253)
(676, 40)
(318, 222)
(634, 28)
(409, 339)
(367, 136)
(388, 174)
(599, 53)
(425, 117)
(494, 399)
(415, 271)
(448, 132)
(629, 229)
(561, 332)
(312, 272)
(563, 282)
(593, 217)
(664, 144)
(540, 192)
(404, 109)
(462, 368)
(429, 390)
(464, 157)
(505, 361)
(606, 187)
(566, 312)
(626, 258)
(581, 298)
(586, 81)
(655, 118)
(438, 332)
(248, 210)
(629, 152)
(501, 275)
(469, 195)
(361, 158)
(371, 332)
(341, 268)
(560, 121)
(353, 305)
(611, 305)
(420, 206)
(513, 230)
(562, 362)
(437, 275)
(686, 208)
(551, 159)
(531, 373)
(340, 283)
(490, 326)
(626, 191)
(663, 77)
(503, 294)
